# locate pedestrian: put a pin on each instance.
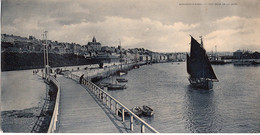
(81, 78)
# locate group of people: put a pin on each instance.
(35, 71)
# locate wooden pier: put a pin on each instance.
(86, 108)
(80, 112)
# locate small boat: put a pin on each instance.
(136, 66)
(103, 84)
(122, 72)
(147, 111)
(121, 80)
(137, 110)
(116, 87)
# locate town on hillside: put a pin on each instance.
(96, 51)
(93, 49)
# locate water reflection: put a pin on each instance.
(200, 113)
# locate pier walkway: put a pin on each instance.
(80, 112)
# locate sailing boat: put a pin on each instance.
(199, 67)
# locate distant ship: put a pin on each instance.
(199, 67)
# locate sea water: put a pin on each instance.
(232, 106)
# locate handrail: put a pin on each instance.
(54, 119)
(108, 99)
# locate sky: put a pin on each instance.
(157, 25)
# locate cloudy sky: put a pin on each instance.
(158, 25)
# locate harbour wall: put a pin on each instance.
(96, 74)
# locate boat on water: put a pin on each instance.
(103, 84)
(121, 80)
(147, 111)
(246, 62)
(137, 110)
(112, 86)
(199, 68)
(122, 72)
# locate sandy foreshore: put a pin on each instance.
(19, 121)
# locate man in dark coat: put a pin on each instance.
(81, 78)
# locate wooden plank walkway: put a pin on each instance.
(81, 113)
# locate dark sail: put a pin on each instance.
(188, 64)
(198, 65)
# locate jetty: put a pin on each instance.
(80, 112)
(86, 108)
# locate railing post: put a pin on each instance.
(110, 104)
(100, 95)
(123, 114)
(142, 128)
(97, 93)
(132, 123)
(107, 100)
(116, 109)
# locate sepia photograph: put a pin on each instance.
(130, 66)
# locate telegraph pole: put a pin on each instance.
(46, 43)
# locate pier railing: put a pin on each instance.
(54, 119)
(114, 105)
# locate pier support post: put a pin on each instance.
(123, 114)
(132, 123)
(142, 128)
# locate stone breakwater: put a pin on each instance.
(95, 74)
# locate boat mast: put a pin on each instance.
(121, 56)
(43, 51)
(47, 62)
(204, 58)
(216, 52)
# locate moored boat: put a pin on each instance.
(116, 87)
(121, 80)
(147, 111)
(137, 110)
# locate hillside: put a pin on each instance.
(20, 61)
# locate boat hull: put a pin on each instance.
(147, 111)
(121, 80)
(116, 87)
(201, 83)
(137, 111)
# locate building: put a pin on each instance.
(238, 54)
(94, 45)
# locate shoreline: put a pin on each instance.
(23, 121)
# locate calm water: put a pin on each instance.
(232, 106)
(21, 90)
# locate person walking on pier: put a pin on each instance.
(81, 78)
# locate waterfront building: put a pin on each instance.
(237, 54)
